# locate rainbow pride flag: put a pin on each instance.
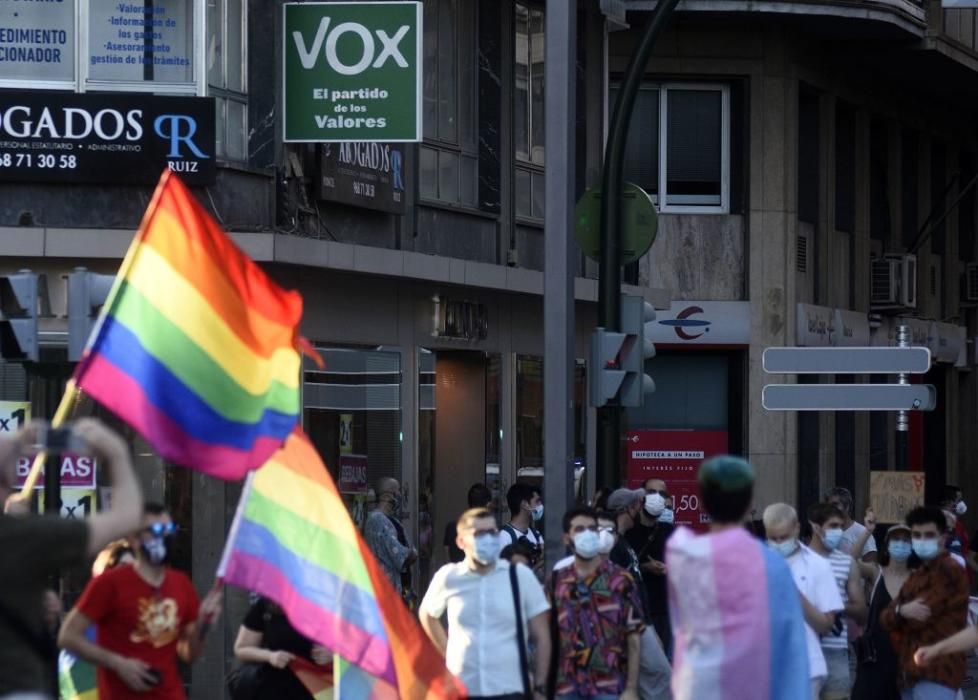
(318, 680)
(736, 618)
(76, 677)
(353, 683)
(195, 347)
(293, 541)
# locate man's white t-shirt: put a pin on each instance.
(506, 537)
(482, 642)
(814, 578)
(849, 537)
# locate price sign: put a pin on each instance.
(13, 415)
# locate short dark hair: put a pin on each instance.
(479, 496)
(582, 511)
(608, 515)
(921, 515)
(519, 492)
(950, 493)
(820, 512)
(154, 508)
(844, 495)
(726, 505)
(520, 549)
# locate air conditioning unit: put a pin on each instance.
(971, 282)
(893, 280)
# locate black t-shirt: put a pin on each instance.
(455, 555)
(649, 542)
(32, 549)
(278, 635)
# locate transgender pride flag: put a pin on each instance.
(736, 619)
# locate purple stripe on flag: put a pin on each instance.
(371, 653)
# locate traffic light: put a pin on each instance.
(635, 314)
(604, 367)
(87, 292)
(617, 361)
(18, 316)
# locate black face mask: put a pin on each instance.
(157, 550)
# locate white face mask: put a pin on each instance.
(586, 544)
(960, 507)
(606, 542)
(668, 516)
(655, 504)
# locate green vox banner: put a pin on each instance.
(352, 71)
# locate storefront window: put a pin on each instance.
(529, 420)
(353, 417)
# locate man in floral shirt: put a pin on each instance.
(599, 619)
(932, 605)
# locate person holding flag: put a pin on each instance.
(147, 615)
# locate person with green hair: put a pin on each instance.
(737, 619)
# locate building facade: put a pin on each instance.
(785, 144)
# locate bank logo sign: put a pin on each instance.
(50, 136)
(352, 71)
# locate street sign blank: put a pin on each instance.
(883, 360)
(849, 397)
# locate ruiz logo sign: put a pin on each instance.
(179, 129)
(683, 321)
(352, 71)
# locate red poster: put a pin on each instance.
(674, 456)
(353, 474)
(76, 471)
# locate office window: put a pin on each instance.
(678, 147)
(449, 154)
(528, 117)
(227, 78)
(124, 46)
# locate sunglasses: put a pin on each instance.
(161, 529)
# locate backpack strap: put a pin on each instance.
(520, 639)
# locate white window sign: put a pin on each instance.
(37, 40)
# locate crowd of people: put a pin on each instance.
(788, 608)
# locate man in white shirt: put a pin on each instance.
(482, 644)
(820, 599)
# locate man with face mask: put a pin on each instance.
(479, 595)
(147, 616)
(818, 591)
(826, 521)
(648, 538)
(932, 605)
(525, 511)
(599, 618)
(386, 537)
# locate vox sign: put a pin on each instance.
(352, 71)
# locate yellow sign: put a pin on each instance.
(894, 494)
(346, 433)
(76, 504)
(13, 415)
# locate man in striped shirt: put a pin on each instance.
(827, 527)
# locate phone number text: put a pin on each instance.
(38, 160)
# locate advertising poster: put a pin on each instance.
(674, 456)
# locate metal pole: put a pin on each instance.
(608, 468)
(558, 272)
(903, 417)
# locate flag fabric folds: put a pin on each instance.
(318, 680)
(737, 619)
(293, 541)
(195, 347)
(353, 683)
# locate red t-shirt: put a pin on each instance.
(136, 620)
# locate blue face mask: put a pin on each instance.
(899, 550)
(668, 517)
(487, 548)
(832, 538)
(786, 548)
(926, 549)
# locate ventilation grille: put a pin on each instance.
(971, 282)
(882, 290)
(801, 254)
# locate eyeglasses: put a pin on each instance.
(661, 492)
(161, 529)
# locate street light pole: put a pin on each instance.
(608, 468)
(560, 62)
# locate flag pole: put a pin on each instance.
(72, 395)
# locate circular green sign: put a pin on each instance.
(639, 223)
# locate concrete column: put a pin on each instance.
(209, 526)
